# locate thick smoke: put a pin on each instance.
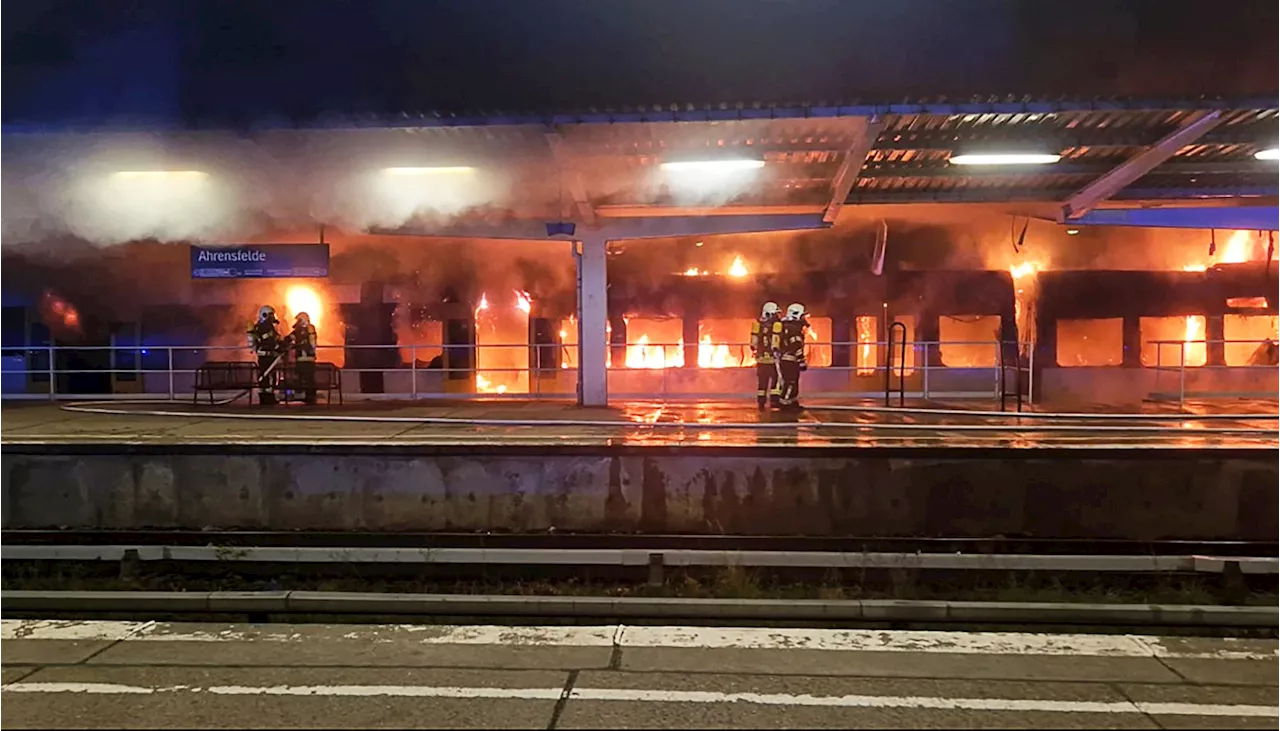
(105, 189)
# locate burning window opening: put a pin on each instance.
(420, 339)
(865, 360)
(1248, 303)
(725, 343)
(1085, 343)
(1189, 329)
(817, 353)
(502, 344)
(1261, 333)
(969, 341)
(654, 342)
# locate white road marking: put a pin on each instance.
(686, 638)
(91, 688)
(52, 629)
(957, 704)
(544, 636)
(963, 643)
(410, 691)
(670, 696)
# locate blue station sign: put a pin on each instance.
(261, 261)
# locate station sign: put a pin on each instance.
(260, 261)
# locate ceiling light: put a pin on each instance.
(429, 170)
(1073, 231)
(1268, 154)
(1009, 158)
(712, 165)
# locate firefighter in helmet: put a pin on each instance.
(265, 342)
(766, 338)
(303, 342)
(791, 355)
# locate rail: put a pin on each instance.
(1266, 389)
(645, 557)
(413, 371)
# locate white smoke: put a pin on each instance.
(209, 188)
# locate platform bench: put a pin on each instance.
(328, 380)
(218, 375)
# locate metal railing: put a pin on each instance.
(396, 371)
(902, 365)
(1268, 390)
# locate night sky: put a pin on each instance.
(231, 62)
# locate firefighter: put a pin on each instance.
(791, 355)
(766, 337)
(264, 341)
(303, 342)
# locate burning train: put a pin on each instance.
(1099, 334)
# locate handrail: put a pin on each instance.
(902, 366)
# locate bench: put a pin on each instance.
(328, 380)
(217, 375)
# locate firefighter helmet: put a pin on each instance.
(266, 312)
(302, 319)
(795, 311)
(770, 309)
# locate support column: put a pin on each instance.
(593, 318)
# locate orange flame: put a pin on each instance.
(59, 314)
(1193, 349)
(1240, 247)
(501, 369)
(866, 336)
(738, 268)
(300, 298)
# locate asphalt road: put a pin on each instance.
(147, 675)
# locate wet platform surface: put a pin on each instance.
(111, 674)
(644, 423)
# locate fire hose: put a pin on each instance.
(261, 379)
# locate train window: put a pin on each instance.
(1258, 331)
(1189, 329)
(1090, 342)
(968, 342)
(655, 342)
(907, 365)
(502, 346)
(1247, 303)
(725, 343)
(569, 344)
(818, 353)
(419, 338)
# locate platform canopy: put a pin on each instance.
(797, 160)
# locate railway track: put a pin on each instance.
(584, 541)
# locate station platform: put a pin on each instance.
(1202, 472)
(176, 675)
(829, 423)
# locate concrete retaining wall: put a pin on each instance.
(1128, 494)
